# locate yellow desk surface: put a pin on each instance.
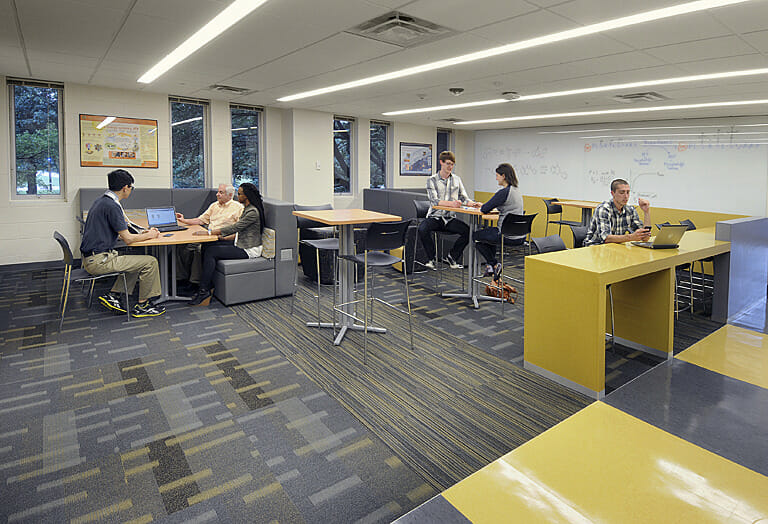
(566, 305)
(602, 465)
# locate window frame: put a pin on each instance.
(451, 138)
(352, 154)
(206, 104)
(387, 148)
(260, 128)
(10, 83)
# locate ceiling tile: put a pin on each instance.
(593, 11)
(463, 15)
(701, 50)
(744, 18)
(759, 40)
(524, 27)
(698, 26)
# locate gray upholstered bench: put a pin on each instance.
(237, 281)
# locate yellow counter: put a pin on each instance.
(566, 308)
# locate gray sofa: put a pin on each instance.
(235, 281)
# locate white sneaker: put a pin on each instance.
(452, 263)
(430, 265)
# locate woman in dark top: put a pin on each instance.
(247, 231)
(507, 200)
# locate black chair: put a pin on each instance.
(703, 287)
(330, 245)
(548, 244)
(515, 231)
(422, 208)
(555, 209)
(82, 276)
(579, 235)
(380, 237)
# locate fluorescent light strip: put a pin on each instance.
(616, 23)
(596, 89)
(442, 108)
(613, 111)
(220, 23)
(642, 128)
(104, 123)
(186, 121)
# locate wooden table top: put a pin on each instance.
(337, 217)
(578, 203)
(176, 237)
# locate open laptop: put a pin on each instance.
(163, 218)
(667, 238)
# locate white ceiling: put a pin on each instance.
(289, 46)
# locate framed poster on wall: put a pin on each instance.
(108, 141)
(415, 159)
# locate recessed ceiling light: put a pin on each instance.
(220, 23)
(613, 111)
(596, 89)
(616, 23)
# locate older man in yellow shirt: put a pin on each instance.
(225, 211)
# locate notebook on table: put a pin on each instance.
(163, 218)
(668, 237)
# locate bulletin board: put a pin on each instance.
(122, 142)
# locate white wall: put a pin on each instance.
(294, 142)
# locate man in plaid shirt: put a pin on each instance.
(615, 221)
(445, 188)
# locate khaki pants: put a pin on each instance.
(143, 267)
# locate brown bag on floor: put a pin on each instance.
(494, 291)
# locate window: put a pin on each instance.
(245, 144)
(189, 121)
(36, 113)
(379, 131)
(443, 140)
(342, 155)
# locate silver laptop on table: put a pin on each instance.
(668, 237)
(163, 218)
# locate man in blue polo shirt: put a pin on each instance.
(106, 221)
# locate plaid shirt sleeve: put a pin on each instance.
(432, 195)
(600, 227)
(462, 192)
(634, 220)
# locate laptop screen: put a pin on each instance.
(161, 216)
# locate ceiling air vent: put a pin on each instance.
(453, 120)
(400, 29)
(229, 89)
(640, 97)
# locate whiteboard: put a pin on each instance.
(702, 175)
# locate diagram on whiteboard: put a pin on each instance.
(698, 176)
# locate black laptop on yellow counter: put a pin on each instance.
(668, 237)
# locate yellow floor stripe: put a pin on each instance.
(278, 391)
(69, 479)
(262, 369)
(266, 491)
(22, 338)
(145, 364)
(218, 490)
(171, 371)
(214, 443)
(231, 405)
(393, 462)
(83, 384)
(107, 386)
(100, 514)
(216, 362)
(142, 468)
(198, 432)
(261, 361)
(252, 386)
(153, 334)
(214, 373)
(421, 493)
(144, 519)
(240, 336)
(136, 453)
(189, 479)
(352, 448)
(52, 342)
(211, 355)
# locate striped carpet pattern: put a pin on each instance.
(446, 408)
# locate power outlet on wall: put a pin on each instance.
(317, 165)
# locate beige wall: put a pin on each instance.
(294, 143)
